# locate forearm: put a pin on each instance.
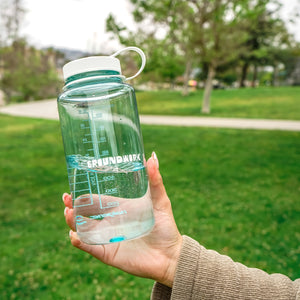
(205, 274)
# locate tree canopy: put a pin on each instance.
(210, 34)
(25, 72)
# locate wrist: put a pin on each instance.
(169, 275)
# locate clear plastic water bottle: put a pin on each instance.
(104, 151)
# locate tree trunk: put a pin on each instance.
(7, 95)
(275, 81)
(254, 78)
(207, 89)
(172, 84)
(244, 74)
(188, 67)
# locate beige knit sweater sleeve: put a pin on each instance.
(206, 274)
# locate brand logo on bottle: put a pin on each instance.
(112, 160)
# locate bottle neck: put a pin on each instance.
(103, 76)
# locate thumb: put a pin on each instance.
(159, 195)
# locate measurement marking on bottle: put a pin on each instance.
(80, 182)
(102, 139)
(82, 112)
(84, 190)
(84, 126)
(112, 204)
(97, 115)
(107, 178)
(77, 175)
(111, 191)
(84, 197)
(93, 180)
(80, 220)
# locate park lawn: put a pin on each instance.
(261, 103)
(235, 191)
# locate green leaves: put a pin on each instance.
(28, 73)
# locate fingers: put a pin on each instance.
(159, 196)
(75, 240)
(67, 199)
(68, 212)
(69, 217)
(95, 250)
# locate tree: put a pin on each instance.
(290, 58)
(27, 73)
(215, 33)
(201, 30)
(267, 37)
(11, 17)
(218, 39)
(163, 62)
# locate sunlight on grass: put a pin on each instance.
(235, 191)
(269, 103)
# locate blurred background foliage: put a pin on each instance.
(201, 43)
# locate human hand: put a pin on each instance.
(153, 256)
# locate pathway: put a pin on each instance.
(47, 109)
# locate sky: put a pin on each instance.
(80, 24)
(74, 24)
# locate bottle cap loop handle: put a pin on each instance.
(142, 55)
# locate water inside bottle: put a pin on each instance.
(111, 202)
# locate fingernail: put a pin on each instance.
(155, 159)
(65, 211)
(70, 233)
(63, 196)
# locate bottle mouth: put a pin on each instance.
(92, 76)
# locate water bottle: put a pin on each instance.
(104, 151)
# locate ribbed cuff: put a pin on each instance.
(161, 292)
(187, 267)
(184, 276)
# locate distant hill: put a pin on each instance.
(71, 54)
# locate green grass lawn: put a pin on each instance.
(235, 191)
(263, 102)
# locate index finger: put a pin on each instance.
(67, 199)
